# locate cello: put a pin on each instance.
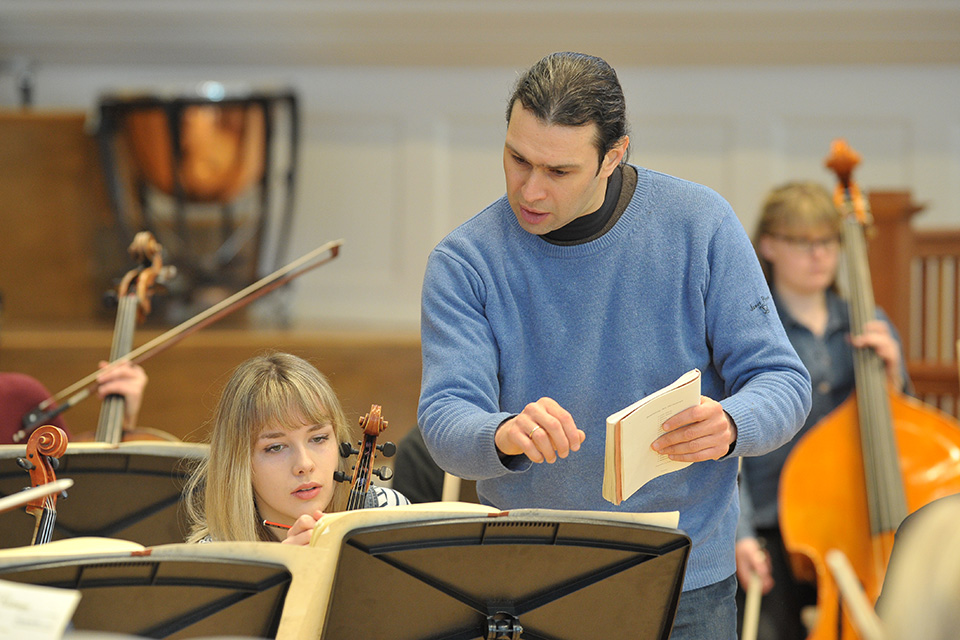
(852, 479)
(133, 306)
(44, 449)
(80, 390)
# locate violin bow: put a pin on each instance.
(81, 389)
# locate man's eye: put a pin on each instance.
(560, 172)
(519, 160)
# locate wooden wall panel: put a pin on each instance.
(53, 217)
(185, 380)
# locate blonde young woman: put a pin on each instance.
(274, 449)
(798, 244)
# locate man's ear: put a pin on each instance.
(615, 156)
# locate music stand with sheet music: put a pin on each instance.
(442, 570)
(534, 574)
(170, 591)
(130, 491)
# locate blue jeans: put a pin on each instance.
(708, 613)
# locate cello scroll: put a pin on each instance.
(44, 449)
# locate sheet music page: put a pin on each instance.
(630, 462)
(31, 612)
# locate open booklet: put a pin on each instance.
(629, 462)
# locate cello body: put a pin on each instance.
(823, 493)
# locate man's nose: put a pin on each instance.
(533, 188)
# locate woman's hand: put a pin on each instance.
(127, 380)
(302, 530)
(753, 560)
(876, 335)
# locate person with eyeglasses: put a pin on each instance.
(798, 243)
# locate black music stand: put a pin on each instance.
(130, 491)
(171, 591)
(530, 574)
(416, 572)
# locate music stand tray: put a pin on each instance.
(129, 491)
(474, 572)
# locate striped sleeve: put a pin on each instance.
(383, 497)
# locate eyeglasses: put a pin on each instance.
(807, 245)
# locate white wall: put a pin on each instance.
(396, 156)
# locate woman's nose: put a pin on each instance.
(303, 462)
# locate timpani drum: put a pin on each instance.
(209, 171)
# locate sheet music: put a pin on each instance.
(30, 612)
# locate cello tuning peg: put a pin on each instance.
(340, 476)
(25, 464)
(347, 450)
(384, 473)
(110, 299)
(54, 462)
(388, 449)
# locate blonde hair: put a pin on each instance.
(794, 207)
(272, 389)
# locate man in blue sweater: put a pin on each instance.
(590, 284)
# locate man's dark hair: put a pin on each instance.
(574, 89)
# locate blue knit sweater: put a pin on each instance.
(508, 318)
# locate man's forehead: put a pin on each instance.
(551, 145)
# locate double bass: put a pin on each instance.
(853, 478)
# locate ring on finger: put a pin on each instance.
(533, 431)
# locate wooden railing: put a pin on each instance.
(916, 276)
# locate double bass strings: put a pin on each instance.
(885, 492)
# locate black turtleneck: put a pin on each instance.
(593, 225)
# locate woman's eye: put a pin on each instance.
(273, 448)
(320, 438)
